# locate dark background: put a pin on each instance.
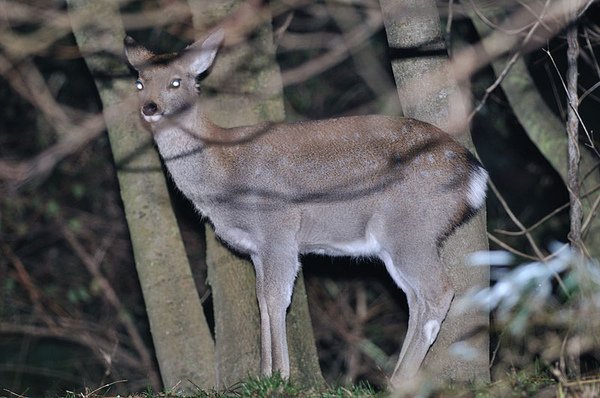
(55, 324)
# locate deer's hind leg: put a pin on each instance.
(418, 271)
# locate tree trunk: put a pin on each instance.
(413, 31)
(182, 340)
(248, 89)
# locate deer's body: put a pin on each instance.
(308, 172)
(391, 188)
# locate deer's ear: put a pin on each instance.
(136, 54)
(202, 53)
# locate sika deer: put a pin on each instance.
(376, 186)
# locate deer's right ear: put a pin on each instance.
(202, 53)
(136, 54)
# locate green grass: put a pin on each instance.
(276, 387)
(517, 384)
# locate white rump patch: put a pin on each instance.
(431, 330)
(477, 188)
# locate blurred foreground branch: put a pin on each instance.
(79, 128)
(557, 325)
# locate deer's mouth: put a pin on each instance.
(150, 112)
(152, 118)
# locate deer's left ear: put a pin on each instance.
(202, 53)
(136, 54)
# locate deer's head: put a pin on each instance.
(168, 83)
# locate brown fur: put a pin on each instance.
(391, 188)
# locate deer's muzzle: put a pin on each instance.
(149, 109)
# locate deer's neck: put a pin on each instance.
(183, 135)
(182, 143)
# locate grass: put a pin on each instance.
(275, 387)
(539, 384)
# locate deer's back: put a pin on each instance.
(320, 160)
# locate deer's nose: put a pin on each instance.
(149, 109)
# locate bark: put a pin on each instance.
(248, 89)
(573, 138)
(182, 340)
(575, 212)
(547, 132)
(414, 35)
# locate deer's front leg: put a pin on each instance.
(276, 269)
(266, 365)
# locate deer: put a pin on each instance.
(377, 186)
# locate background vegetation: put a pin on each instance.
(71, 311)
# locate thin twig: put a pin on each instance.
(515, 220)
(495, 352)
(113, 299)
(449, 27)
(592, 52)
(590, 143)
(106, 386)
(536, 249)
(497, 27)
(557, 101)
(510, 63)
(15, 394)
(355, 38)
(536, 224)
(539, 17)
(35, 296)
(72, 331)
(590, 215)
(28, 81)
(551, 214)
(511, 249)
(589, 91)
(583, 9)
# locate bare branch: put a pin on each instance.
(576, 212)
(73, 332)
(591, 215)
(535, 225)
(511, 249)
(28, 284)
(494, 26)
(113, 299)
(78, 128)
(354, 38)
(573, 107)
(515, 220)
(509, 65)
(469, 60)
(592, 54)
(540, 256)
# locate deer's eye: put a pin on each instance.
(139, 85)
(175, 83)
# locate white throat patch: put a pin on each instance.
(152, 119)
